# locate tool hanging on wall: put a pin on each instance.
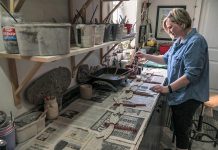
(145, 28)
(5, 8)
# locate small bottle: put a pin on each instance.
(51, 106)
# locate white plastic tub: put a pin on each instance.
(29, 125)
(43, 39)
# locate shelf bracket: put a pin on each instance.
(112, 48)
(74, 68)
(14, 79)
(16, 88)
(29, 76)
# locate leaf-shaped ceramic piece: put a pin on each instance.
(114, 118)
(108, 131)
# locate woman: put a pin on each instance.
(187, 72)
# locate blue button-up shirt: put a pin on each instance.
(190, 58)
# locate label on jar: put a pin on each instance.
(9, 33)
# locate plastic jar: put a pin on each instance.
(9, 34)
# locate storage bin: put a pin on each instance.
(43, 39)
(84, 35)
(29, 125)
(163, 48)
(7, 133)
(99, 34)
(110, 32)
(120, 32)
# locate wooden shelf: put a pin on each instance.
(40, 60)
(17, 87)
(73, 52)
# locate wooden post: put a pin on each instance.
(28, 77)
(18, 4)
(14, 79)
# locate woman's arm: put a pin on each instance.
(155, 58)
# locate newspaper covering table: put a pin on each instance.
(79, 125)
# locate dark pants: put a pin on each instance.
(182, 115)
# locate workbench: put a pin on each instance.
(88, 125)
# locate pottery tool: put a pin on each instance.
(121, 127)
(5, 8)
(128, 104)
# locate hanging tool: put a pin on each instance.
(83, 19)
(93, 14)
(5, 8)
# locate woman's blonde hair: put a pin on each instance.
(179, 16)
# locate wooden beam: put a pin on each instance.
(101, 12)
(70, 10)
(14, 79)
(112, 11)
(81, 11)
(84, 58)
(101, 55)
(11, 6)
(28, 77)
(18, 4)
(81, 61)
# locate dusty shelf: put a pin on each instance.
(40, 60)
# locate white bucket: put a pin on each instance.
(84, 35)
(7, 133)
(120, 32)
(43, 38)
(99, 34)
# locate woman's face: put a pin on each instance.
(174, 30)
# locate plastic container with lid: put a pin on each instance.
(9, 34)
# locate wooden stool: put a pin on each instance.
(211, 104)
(202, 127)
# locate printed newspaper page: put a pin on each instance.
(81, 115)
(105, 103)
(128, 129)
(58, 136)
(100, 144)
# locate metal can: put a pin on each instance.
(3, 144)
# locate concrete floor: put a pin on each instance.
(166, 142)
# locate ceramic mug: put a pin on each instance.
(86, 91)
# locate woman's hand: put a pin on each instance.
(160, 89)
(141, 56)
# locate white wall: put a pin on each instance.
(208, 27)
(190, 7)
